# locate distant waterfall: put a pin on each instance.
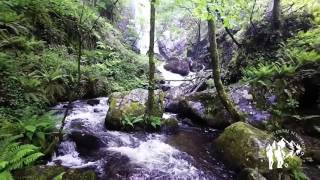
(141, 18)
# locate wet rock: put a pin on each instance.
(178, 66)
(169, 48)
(243, 146)
(131, 104)
(172, 106)
(77, 124)
(250, 174)
(119, 166)
(312, 125)
(97, 110)
(315, 155)
(50, 172)
(188, 122)
(93, 102)
(172, 99)
(85, 141)
(165, 87)
(206, 107)
(170, 125)
(195, 66)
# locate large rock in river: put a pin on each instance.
(178, 66)
(244, 146)
(206, 107)
(131, 104)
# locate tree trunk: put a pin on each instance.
(228, 104)
(79, 57)
(199, 31)
(276, 15)
(151, 62)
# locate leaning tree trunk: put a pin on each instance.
(151, 63)
(228, 104)
(276, 15)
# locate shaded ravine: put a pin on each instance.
(185, 154)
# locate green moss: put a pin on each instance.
(294, 162)
(242, 146)
(50, 172)
(134, 109)
(129, 106)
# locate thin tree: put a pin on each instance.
(276, 22)
(151, 87)
(213, 49)
(227, 103)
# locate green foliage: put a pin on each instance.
(298, 51)
(38, 71)
(59, 177)
(15, 155)
(32, 128)
(155, 121)
(265, 71)
(131, 120)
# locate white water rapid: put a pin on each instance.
(139, 155)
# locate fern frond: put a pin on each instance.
(32, 158)
(6, 175)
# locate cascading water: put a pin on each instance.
(139, 155)
(141, 10)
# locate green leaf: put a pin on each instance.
(6, 175)
(31, 128)
(59, 177)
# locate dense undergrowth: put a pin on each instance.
(39, 43)
(297, 51)
(278, 83)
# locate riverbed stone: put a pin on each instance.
(131, 104)
(170, 125)
(93, 102)
(243, 146)
(85, 141)
(50, 172)
(206, 107)
(250, 174)
(178, 66)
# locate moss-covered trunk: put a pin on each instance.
(151, 62)
(227, 103)
(276, 15)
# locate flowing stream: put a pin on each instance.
(185, 154)
(113, 154)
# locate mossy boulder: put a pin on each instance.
(50, 172)
(250, 174)
(205, 108)
(131, 104)
(170, 125)
(244, 146)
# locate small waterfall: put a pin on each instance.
(173, 79)
(141, 18)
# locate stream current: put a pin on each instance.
(184, 154)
